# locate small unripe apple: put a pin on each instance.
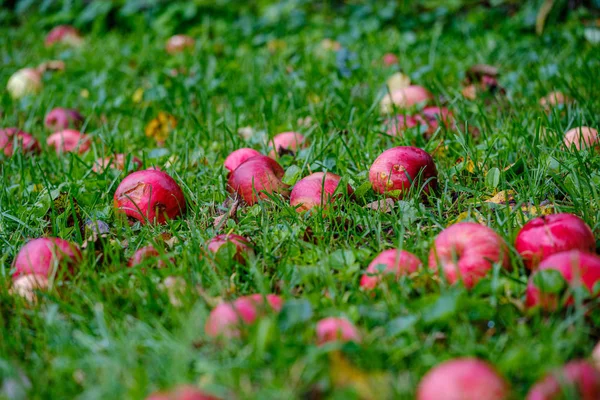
(64, 34)
(179, 43)
(286, 142)
(148, 255)
(316, 190)
(44, 256)
(243, 247)
(577, 267)
(546, 235)
(578, 378)
(463, 379)
(27, 143)
(150, 196)
(396, 169)
(226, 319)
(467, 251)
(256, 178)
(396, 262)
(336, 330)
(405, 98)
(24, 82)
(182, 392)
(582, 137)
(69, 141)
(118, 161)
(63, 118)
(238, 157)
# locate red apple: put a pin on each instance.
(44, 256)
(64, 34)
(182, 392)
(243, 248)
(578, 378)
(406, 97)
(550, 234)
(397, 262)
(24, 82)
(395, 170)
(577, 268)
(119, 162)
(226, 319)
(336, 329)
(148, 255)
(434, 115)
(179, 43)
(390, 59)
(467, 251)
(69, 141)
(26, 142)
(238, 157)
(150, 196)
(400, 123)
(317, 189)
(596, 356)
(463, 379)
(256, 178)
(582, 137)
(286, 141)
(63, 118)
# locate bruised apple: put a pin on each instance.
(242, 248)
(24, 141)
(395, 262)
(467, 251)
(577, 267)
(69, 141)
(576, 378)
(463, 379)
(119, 162)
(150, 196)
(238, 157)
(226, 319)
(582, 137)
(396, 169)
(286, 142)
(63, 118)
(256, 178)
(546, 235)
(316, 190)
(336, 330)
(44, 256)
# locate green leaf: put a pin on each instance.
(549, 281)
(492, 178)
(292, 175)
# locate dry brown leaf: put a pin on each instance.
(386, 205)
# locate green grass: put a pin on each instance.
(111, 333)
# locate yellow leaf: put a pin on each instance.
(368, 385)
(398, 81)
(84, 93)
(328, 44)
(313, 98)
(138, 95)
(469, 215)
(276, 45)
(503, 197)
(161, 126)
(470, 167)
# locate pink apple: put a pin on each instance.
(179, 43)
(44, 256)
(400, 123)
(69, 141)
(227, 318)
(577, 268)
(596, 356)
(336, 329)
(182, 392)
(463, 379)
(27, 143)
(316, 190)
(396, 262)
(238, 157)
(63, 118)
(64, 34)
(256, 178)
(150, 196)
(243, 247)
(286, 141)
(582, 137)
(467, 251)
(550, 234)
(119, 162)
(395, 170)
(148, 255)
(390, 59)
(579, 376)
(406, 97)
(433, 115)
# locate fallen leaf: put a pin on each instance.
(502, 197)
(469, 215)
(275, 45)
(160, 127)
(138, 95)
(329, 44)
(368, 385)
(385, 206)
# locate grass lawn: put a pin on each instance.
(111, 332)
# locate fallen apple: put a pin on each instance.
(582, 137)
(64, 34)
(577, 267)
(405, 98)
(26, 286)
(63, 118)
(395, 171)
(238, 157)
(316, 190)
(24, 82)
(69, 141)
(397, 125)
(150, 196)
(395, 262)
(45, 257)
(336, 330)
(182, 392)
(286, 142)
(467, 251)
(148, 255)
(24, 141)
(226, 319)
(576, 378)
(256, 178)
(463, 379)
(546, 235)
(241, 246)
(179, 43)
(118, 162)
(596, 356)
(390, 59)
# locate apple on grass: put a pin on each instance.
(240, 246)
(238, 157)
(24, 141)
(286, 142)
(394, 262)
(576, 380)
(182, 392)
(336, 330)
(69, 141)
(316, 190)
(46, 256)
(256, 178)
